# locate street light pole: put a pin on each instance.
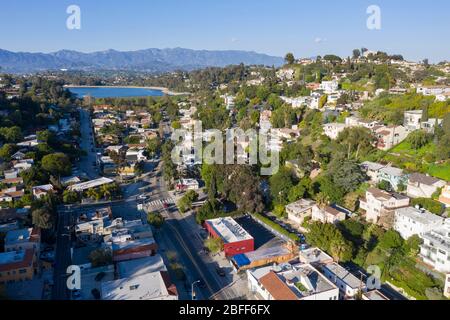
(192, 289)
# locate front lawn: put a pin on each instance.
(441, 171)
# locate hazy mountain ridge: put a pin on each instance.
(152, 60)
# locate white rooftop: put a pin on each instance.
(420, 216)
(139, 267)
(229, 230)
(90, 184)
(343, 274)
(301, 205)
(149, 286)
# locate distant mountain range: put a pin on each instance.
(149, 60)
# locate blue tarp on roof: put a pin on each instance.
(241, 260)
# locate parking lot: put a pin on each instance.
(256, 230)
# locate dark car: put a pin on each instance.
(96, 294)
(201, 284)
(220, 272)
(100, 276)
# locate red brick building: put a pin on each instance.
(235, 239)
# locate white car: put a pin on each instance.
(143, 197)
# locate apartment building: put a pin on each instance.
(380, 206)
(411, 221)
(17, 266)
(23, 239)
(435, 249)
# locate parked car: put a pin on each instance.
(96, 294)
(201, 284)
(100, 276)
(76, 295)
(220, 272)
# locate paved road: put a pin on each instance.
(86, 163)
(62, 256)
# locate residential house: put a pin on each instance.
(423, 186)
(380, 206)
(413, 119)
(18, 156)
(390, 136)
(395, 176)
(11, 174)
(411, 221)
(328, 214)
(187, 184)
(435, 249)
(332, 130)
(445, 195)
(329, 86)
(264, 121)
(358, 122)
(290, 282)
(40, 192)
(315, 257)
(11, 194)
(372, 169)
(433, 90)
(348, 284)
(298, 211)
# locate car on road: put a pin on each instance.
(142, 197)
(76, 295)
(220, 272)
(165, 205)
(96, 293)
(100, 276)
(201, 284)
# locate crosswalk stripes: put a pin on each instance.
(160, 202)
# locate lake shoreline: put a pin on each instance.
(162, 89)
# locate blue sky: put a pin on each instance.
(416, 29)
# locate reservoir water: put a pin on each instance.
(115, 92)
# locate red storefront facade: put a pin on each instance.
(231, 248)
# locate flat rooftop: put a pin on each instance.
(418, 215)
(301, 205)
(150, 286)
(17, 236)
(138, 267)
(90, 184)
(314, 255)
(132, 244)
(11, 257)
(343, 274)
(229, 230)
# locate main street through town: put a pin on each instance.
(177, 233)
